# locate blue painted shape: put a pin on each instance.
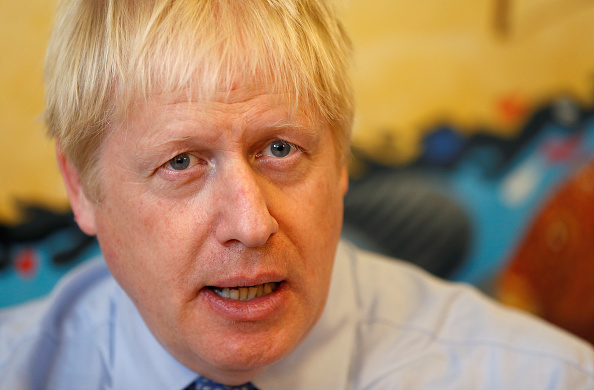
(442, 145)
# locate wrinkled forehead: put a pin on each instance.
(242, 91)
(202, 82)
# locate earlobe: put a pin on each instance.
(83, 208)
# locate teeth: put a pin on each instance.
(245, 293)
(252, 293)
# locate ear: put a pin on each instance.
(344, 179)
(83, 208)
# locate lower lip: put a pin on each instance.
(256, 309)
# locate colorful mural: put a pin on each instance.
(498, 183)
(36, 252)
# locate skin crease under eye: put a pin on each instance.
(289, 150)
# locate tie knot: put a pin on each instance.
(206, 384)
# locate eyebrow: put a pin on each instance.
(310, 132)
(188, 131)
(301, 123)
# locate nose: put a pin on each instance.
(243, 209)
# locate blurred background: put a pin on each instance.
(473, 149)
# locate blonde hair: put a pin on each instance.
(105, 53)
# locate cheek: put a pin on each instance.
(143, 243)
(315, 228)
(321, 205)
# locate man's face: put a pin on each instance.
(220, 219)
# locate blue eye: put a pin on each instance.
(179, 162)
(280, 148)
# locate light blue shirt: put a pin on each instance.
(387, 325)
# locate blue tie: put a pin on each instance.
(203, 383)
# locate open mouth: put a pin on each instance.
(245, 293)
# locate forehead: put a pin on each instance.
(247, 99)
(244, 115)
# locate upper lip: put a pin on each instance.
(239, 281)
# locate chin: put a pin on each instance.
(238, 359)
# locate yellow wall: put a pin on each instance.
(27, 168)
(417, 61)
